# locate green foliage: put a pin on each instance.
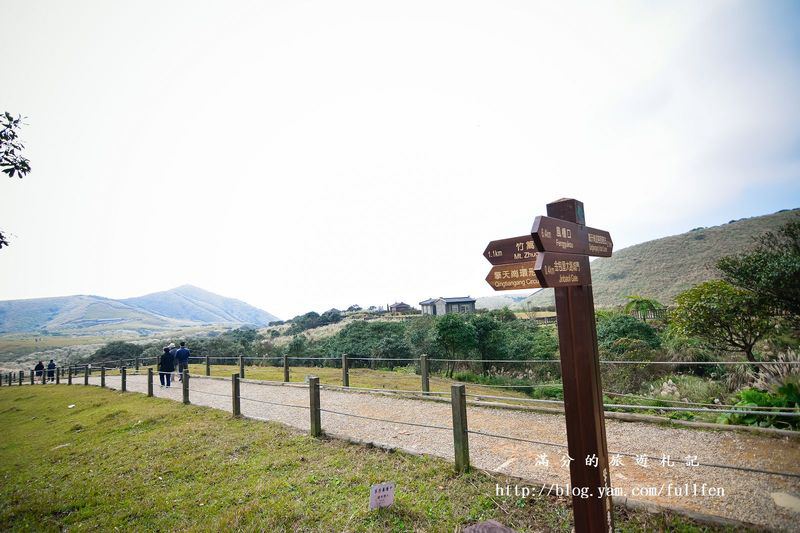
(772, 270)
(456, 335)
(117, 350)
(641, 305)
(383, 340)
(611, 330)
(725, 317)
(787, 396)
(313, 320)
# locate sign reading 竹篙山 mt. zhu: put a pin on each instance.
(554, 235)
(514, 276)
(513, 250)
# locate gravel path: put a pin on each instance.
(747, 496)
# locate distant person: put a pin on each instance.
(51, 370)
(173, 351)
(39, 370)
(182, 355)
(166, 366)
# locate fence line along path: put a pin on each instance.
(537, 450)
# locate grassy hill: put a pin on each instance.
(197, 305)
(663, 268)
(184, 306)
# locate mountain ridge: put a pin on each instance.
(174, 308)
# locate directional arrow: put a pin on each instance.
(562, 270)
(513, 277)
(555, 235)
(513, 250)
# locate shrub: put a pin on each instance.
(617, 327)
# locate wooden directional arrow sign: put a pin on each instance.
(513, 277)
(513, 250)
(562, 270)
(554, 235)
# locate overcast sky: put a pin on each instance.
(306, 155)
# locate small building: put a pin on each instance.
(443, 306)
(400, 308)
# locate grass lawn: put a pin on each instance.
(125, 461)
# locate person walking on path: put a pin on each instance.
(182, 355)
(39, 370)
(166, 366)
(51, 370)
(173, 351)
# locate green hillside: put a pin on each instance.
(663, 268)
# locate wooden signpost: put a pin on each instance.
(563, 245)
(513, 250)
(513, 276)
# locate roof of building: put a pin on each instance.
(398, 304)
(454, 300)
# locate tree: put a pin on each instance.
(455, 335)
(489, 338)
(771, 270)
(11, 160)
(727, 318)
(118, 350)
(641, 306)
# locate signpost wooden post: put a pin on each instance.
(563, 244)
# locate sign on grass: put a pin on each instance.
(381, 495)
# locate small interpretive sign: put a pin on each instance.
(381, 495)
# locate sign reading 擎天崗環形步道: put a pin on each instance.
(554, 269)
(513, 250)
(513, 276)
(555, 235)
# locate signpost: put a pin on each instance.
(563, 245)
(557, 235)
(513, 250)
(513, 276)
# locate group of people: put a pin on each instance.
(50, 375)
(173, 358)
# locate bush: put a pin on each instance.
(787, 396)
(619, 327)
(114, 351)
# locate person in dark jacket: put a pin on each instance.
(166, 366)
(51, 370)
(173, 351)
(182, 355)
(39, 370)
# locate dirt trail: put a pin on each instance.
(748, 496)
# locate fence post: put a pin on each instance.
(185, 382)
(150, 382)
(124, 374)
(103, 376)
(236, 408)
(241, 367)
(31, 377)
(208, 366)
(345, 371)
(423, 369)
(58, 376)
(313, 389)
(69, 375)
(285, 369)
(86, 375)
(460, 435)
(21, 376)
(136, 364)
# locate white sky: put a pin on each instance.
(305, 155)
